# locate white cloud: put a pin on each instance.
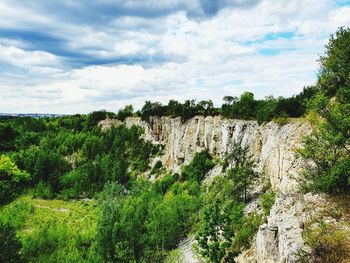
(219, 56)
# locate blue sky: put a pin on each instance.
(75, 56)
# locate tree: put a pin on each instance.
(335, 64)
(12, 179)
(210, 239)
(151, 109)
(94, 117)
(9, 245)
(205, 107)
(328, 145)
(266, 110)
(247, 105)
(127, 111)
(7, 137)
(229, 100)
(198, 167)
(241, 170)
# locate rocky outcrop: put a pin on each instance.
(271, 146)
(273, 149)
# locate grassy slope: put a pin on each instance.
(52, 230)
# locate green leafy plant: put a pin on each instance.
(12, 179)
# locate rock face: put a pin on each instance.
(272, 148)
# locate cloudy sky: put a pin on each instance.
(76, 56)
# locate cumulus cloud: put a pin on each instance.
(71, 56)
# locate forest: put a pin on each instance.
(70, 192)
(246, 107)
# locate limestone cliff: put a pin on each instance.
(272, 147)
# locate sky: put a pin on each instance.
(77, 56)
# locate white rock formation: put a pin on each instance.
(271, 146)
(273, 149)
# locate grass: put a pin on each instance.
(53, 230)
(329, 244)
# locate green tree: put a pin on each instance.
(266, 109)
(198, 167)
(210, 239)
(205, 107)
(127, 111)
(241, 170)
(335, 63)
(10, 245)
(12, 179)
(328, 145)
(7, 137)
(246, 106)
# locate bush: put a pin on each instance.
(15, 213)
(9, 245)
(281, 120)
(267, 200)
(157, 167)
(12, 179)
(198, 167)
(328, 243)
(127, 111)
(244, 233)
(43, 190)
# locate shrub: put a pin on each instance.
(281, 120)
(328, 243)
(198, 167)
(43, 190)
(12, 179)
(16, 212)
(9, 245)
(267, 200)
(244, 233)
(127, 111)
(157, 167)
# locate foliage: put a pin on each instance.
(335, 64)
(10, 245)
(241, 170)
(328, 146)
(281, 120)
(174, 109)
(127, 111)
(12, 179)
(224, 230)
(247, 107)
(7, 137)
(328, 243)
(67, 157)
(198, 167)
(157, 167)
(267, 200)
(94, 117)
(216, 230)
(53, 231)
(142, 224)
(43, 190)
(244, 230)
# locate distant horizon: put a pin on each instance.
(74, 58)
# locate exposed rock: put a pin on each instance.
(272, 148)
(188, 255)
(281, 238)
